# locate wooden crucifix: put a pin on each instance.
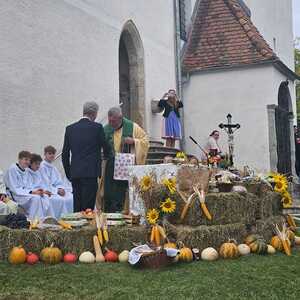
(230, 129)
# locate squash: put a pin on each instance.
(185, 254)
(111, 256)
(259, 247)
(271, 250)
(170, 245)
(252, 238)
(87, 257)
(297, 240)
(17, 255)
(229, 250)
(209, 254)
(32, 258)
(98, 251)
(244, 249)
(70, 258)
(51, 255)
(123, 256)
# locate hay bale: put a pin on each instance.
(269, 205)
(225, 208)
(76, 240)
(266, 227)
(210, 236)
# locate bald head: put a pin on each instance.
(115, 117)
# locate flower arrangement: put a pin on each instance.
(159, 198)
(280, 183)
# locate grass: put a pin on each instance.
(253, 277)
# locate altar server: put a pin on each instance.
(52, 179)
(30, 199)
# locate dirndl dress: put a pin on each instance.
(171, 127)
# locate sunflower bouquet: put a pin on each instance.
(280, 183)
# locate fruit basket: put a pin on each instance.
(155, 260)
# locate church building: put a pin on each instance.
(222, 56)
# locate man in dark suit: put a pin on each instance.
(84, 140)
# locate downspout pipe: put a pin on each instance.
(177, 50)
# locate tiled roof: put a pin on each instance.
(223, 35)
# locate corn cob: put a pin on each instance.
(100, 236)
(152, 234)
(65, 225)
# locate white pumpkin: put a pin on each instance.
(244, 249)
(123, 256)
(209, 254)
(297, 240)
(87, 257)
(271, 249)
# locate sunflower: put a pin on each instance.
(287, 200)
(280, 186)
(152, 216)
(146, 183)
(170, 184)
(181, 155)
(168, 206)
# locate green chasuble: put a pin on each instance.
(115, 190)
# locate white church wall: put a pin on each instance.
(245, 93)
(274, 20)
(55, 55)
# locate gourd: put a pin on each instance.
(297, 240)
(98, 251)
(244, 249)
(111, 256)
(87, 257)
(185, 254)
(170, 245)
(51, 255)
(123, 256)
(257, 244)
(291, 236)
(271, 250)
(70, 258)
(209, 254)
(229, 250)
(17, 255)
(32, 258)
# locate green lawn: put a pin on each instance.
(253, 277)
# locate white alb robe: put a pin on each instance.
(8, 207)
(52, 181)
(57, 204)
(17, 181)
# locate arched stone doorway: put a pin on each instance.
(131, 74)
(283, 121)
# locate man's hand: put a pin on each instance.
(2, 197)
(49, 194)
(61, 192)
(129, 141)
(39, 192)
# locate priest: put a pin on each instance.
(124, 136)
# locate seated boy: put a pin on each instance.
(57, 204)
(52, 178)
(7, 206)
(31, 200)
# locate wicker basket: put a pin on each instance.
(225, 187)
(155, 260)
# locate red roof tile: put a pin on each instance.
(224, 36)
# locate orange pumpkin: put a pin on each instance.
(229, 250)
(17, 255)
(185, 253)
(51, 255)
(277, 243)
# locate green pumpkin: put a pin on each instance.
(252, 238)
(259, 246)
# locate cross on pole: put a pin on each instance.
(230, 129)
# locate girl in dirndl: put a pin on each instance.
(171, 125)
